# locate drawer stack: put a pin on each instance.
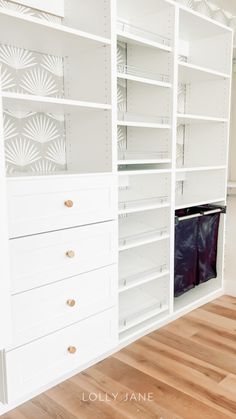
(63, 277)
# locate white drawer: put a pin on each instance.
(38, 205)
(33, 365)
(43, 259)
(39, 312)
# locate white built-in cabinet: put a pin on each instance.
(113, 115)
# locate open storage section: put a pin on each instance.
(56, 91)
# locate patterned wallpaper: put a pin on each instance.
(8, 5)
(34, 142)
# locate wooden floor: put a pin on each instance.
(188, 367)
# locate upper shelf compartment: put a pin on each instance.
(197, 40)
(89, 20)
(79, 61)
(145, 24)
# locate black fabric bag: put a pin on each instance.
(196, 241)
(186, 233)
(207, 247)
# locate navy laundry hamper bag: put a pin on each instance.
(185, 256)
(196, 242)
(207, 247)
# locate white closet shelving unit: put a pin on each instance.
(113, 115)
(145, 80)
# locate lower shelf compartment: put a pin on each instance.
(143, 204)
(143, 264)
(195, 295)
(142, 303)
(141, 228)
(143, 328)
(142, 277)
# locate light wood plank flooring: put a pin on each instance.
(188, 367)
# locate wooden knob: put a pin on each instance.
(72, 349)
(70, 254)
(71, 303)
(69, 203)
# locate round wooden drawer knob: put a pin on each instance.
(71, 303)
(69, 203)
(72, 349)
(70, 254)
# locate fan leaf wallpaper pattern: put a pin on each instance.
(8, 5)
(34, 142)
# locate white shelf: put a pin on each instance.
(141, 278)
(129, 207)
(135, 234)
(144, 172)
(48, 104)
(135, 35)
(129, 119)
(195, 295)
(143, 307)
(191, 73)
(197, 203)
(142, 124)
(136, 74)
(47, 37)
(143, 80)
(188, 119)
(143, 161)
(200, 169)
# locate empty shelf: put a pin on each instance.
(195, 203)
(188, 119)
(142, 307)
(48, 104)
(199, 169)
(139, 75)
(47, 37)
(142, 157)
(191, 73)
(134, 34)
(136, 234)
(131, 281)
(143, 204)
(137, 120)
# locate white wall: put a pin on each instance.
(230, 255)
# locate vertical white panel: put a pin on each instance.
(5, 308)
(56, 7)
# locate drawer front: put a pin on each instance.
(47, 204)
(46, 258)
(39, 312)
(33, 365)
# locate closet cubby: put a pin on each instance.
(140, 191)
(207, 99)
(144, 227)
(92, 17)
(143, 264)
(204, 43)
(143, 103)
(201, 145)
(146, 27)
(194, 187)
(203, 292)
(142, 303)
(56, 91)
